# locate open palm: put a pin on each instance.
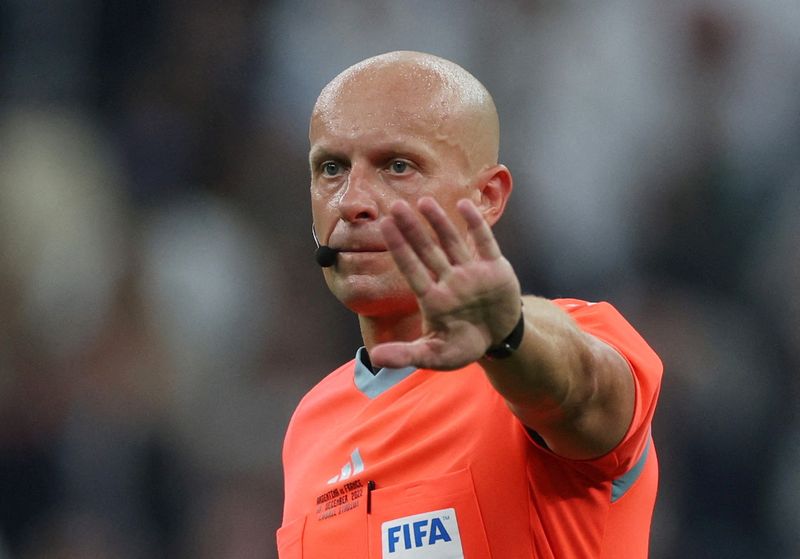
(468, 293)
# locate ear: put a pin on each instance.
(494, 188)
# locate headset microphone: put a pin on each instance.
(324, 255)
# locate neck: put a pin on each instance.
(379, 329)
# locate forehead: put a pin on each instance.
(389, 98)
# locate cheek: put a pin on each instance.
(447, 194)
(323, 206)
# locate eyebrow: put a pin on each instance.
(403, 150)
(318, 155)
(419, 153)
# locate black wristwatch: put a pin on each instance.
(508, 346)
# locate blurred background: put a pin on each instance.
(161, 314)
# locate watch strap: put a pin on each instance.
(510, 344)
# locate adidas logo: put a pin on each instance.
(352, 467)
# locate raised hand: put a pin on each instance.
(468, 293)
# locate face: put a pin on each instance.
(368, 149)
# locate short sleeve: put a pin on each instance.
(604, 322)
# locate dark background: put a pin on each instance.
(161, 314)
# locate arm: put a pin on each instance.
(568, 386)
(571, 388)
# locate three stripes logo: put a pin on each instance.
(355, 465)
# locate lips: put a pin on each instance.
(356, 239)
(357, 245)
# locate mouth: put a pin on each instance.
(358, 248)
(357, 244)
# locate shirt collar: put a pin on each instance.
(372, 384)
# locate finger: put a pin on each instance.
(424, 353)
(485, 243)
(394, 355)
(411, 227)
(450, 239)
(416, 274)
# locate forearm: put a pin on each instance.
(571, 388)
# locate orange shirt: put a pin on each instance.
(433, 465)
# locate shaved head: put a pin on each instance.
(414, 87)
(399, 127)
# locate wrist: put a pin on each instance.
(510, 343)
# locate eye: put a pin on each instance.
(331, 168)
(398, 166)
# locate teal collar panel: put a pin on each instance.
(372, 384)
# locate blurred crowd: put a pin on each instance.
(161, 313)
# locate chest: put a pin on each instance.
(403, 474)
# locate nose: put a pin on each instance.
(358, 201)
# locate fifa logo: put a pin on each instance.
(424, 534)
(431, 535)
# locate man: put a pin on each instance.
(474, 422)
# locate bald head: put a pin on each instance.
(412, 88)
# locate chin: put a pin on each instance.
(374, 296)
(384, 307)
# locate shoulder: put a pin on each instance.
(334, 386)
(336, 380)
(605, 322)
